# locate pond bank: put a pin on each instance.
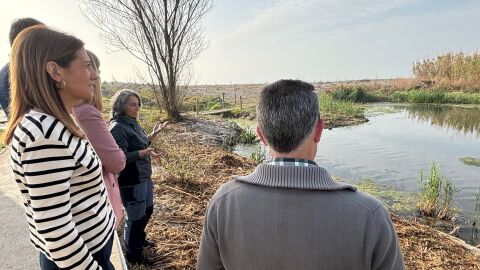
(190, 172)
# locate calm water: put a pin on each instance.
(400, 141)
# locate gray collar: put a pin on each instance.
(309, 178)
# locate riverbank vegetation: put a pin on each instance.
(454, 70)
(249, 136)
(336, 113)
(189, 173)
(436, 195)
(452, 78)
(360, 93)
(471, 161)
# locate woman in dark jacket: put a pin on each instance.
(136, 187)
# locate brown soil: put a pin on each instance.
(343, 121)
(426, 248)
(189, 174)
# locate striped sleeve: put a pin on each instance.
(48, 165)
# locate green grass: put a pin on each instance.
(438, 96)
(419, 96)
(210, 103)
(471, 161)
(429, 192)
(249, 136)
(355, 93)
(463, 98)
(328, 104)
(331, 110)
(244, 123)
(246, 111)
(361, 93)
(436, 195)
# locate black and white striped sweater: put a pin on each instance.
(60, 178)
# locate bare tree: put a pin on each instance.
(166, 35)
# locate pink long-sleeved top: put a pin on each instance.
(112, 157)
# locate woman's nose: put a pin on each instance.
(94, 75)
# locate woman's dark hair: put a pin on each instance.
(19, 25)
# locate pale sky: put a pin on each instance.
(265, 40)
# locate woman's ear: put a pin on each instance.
(55, 71)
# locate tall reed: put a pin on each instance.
(436, 195)
(451, 68)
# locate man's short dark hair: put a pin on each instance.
(287, 112)
(19, 24)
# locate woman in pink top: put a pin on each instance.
(89, 117)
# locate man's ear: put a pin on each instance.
(55, 71)
(260, 135)
(318, 130)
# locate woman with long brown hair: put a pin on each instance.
(57, 171)
(89, 117)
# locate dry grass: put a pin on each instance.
(454, 69)
(189, 174)
(426, 248)
(451, 67)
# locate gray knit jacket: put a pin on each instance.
(285, 217)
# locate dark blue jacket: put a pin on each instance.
(4, 89)
(131, 138)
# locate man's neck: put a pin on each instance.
(307, 150)
(292, 155)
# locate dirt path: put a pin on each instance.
(16, 252)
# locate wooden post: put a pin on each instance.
(235, 91)
(240, 102)
(223, 99)
(196, 105)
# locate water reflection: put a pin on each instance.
(463, 119)
(399, 141)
